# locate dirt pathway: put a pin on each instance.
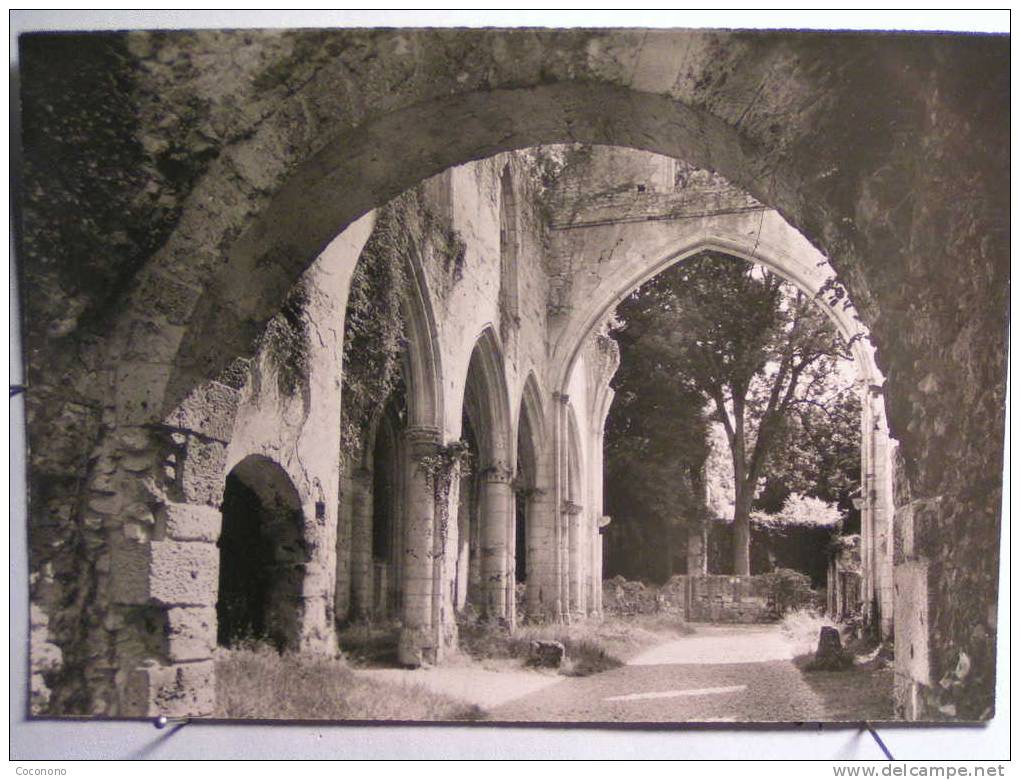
(721, 673)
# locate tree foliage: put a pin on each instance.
(655, 447)
(752, 347)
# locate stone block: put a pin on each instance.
(184, 573)
(910, 583)
(546, 653)
(202, 472)
(830, 655)
(165, 572)
(191, 633)
(192, 522)
(180, 690)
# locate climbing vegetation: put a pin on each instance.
(441, 469)
(374, 328)
(285, 341)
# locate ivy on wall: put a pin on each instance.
(285, 341)
(441, 470)
(374, 329)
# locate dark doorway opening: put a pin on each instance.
(262, 557)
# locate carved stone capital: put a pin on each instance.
(499, 473)
(422, 439)
(570, 508)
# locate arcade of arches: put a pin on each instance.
(165, 446)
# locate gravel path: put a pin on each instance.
(721, 673)
(486, 688)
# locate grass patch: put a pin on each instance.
(592, 646)
(260, 683)
(802, 628)
(862, 692)
(370, 643)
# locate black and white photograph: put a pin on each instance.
(512, 375)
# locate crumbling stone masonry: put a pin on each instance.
(179, 188)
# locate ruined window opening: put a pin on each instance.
(262, 557)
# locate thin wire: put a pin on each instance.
(878, 739)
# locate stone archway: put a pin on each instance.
(262, 557)
(643, 249)
(873, 175)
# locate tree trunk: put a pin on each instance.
(742, 529)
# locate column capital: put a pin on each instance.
(570, 508)
(499, 473)
(422, 439)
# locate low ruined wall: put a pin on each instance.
(706, 598)
(622, 597)
(721, 598)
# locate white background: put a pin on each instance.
(93, 739)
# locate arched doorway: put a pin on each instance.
(262, 557)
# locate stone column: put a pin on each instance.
(417, 640)
(163, 566)
(867, 509)
(361, 543)
(599, 557)
(543, 519)
(344, 533)
(463, 542)
(562, 482)
(573, 515)
(496, 503)
(882, 496)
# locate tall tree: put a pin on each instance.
(655, 447)
(750, 344)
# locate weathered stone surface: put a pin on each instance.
(129, 573)
(181, 690)
(191, 633)
(140, 388)
(208, 410)
(201, 474)
(192, 522)
(45, 658)
(183, 573)
(166, 572)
